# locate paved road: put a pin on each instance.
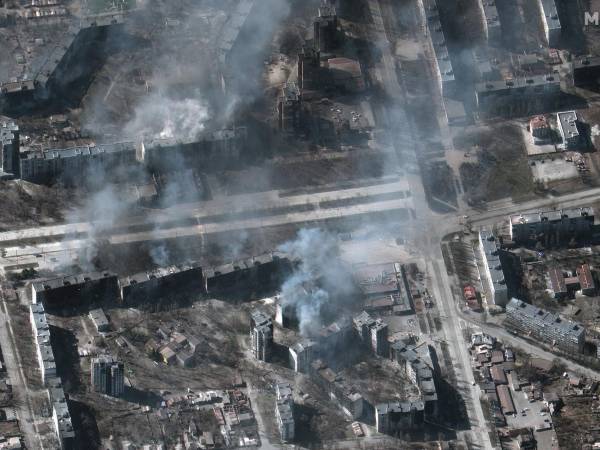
(19, 384)
(515, 341)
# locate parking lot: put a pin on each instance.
(532, 417)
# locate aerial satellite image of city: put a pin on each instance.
(299, 224)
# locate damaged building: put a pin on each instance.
(289, 108)
(218, 150)
(373, 333)
(302, 355)
(385, 288)
(325, 28)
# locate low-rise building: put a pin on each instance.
(99, 320)
(569, 129)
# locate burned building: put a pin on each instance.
(61, 416)
(333, 340)
(325, 28)
(516, 95)
(72, 165)
(108, 376)
(75, 290)
(260, 272)
(373, 333)
(284, 411)
(261, 335)
(214, 151)
(160, 282)
(586, 71)
(309, 69)
(289, 108)
(9, 148)
(545, 326)
(558, 228)
(385, 288)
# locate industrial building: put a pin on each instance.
(494, 273)
(43, 346)
(505, 96)
(385, 286)
(302, 355)
(162, 281)
(325, 28)
(261, 335)
(373, 333)
(550, 22)
(586, 71)
(284, 411)
(443, 65)
(99, 320)
(556, 228)
(569, 130)
(492, 28)
(75, 289)
(10, 148)
(289, 108)
(545, 326)
(108, 376)
(562, 286)
(506, 401)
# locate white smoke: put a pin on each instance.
(318, 281)
(160, 116)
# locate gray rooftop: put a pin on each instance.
(542, 319)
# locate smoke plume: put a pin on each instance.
(321, 287)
